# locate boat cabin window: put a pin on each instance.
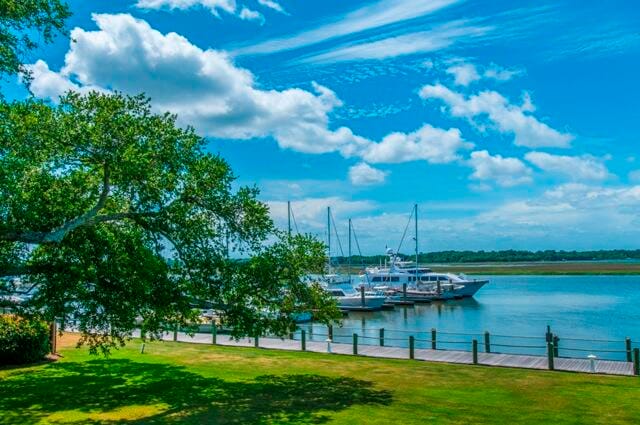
(336, 292)
(377, 279)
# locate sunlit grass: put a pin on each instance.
(191, 383)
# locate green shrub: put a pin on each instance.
(22, 340)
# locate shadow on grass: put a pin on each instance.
(102, 386)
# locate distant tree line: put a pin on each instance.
(507, 256)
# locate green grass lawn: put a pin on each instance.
(189, 383)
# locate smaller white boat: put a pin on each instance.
(356, 300)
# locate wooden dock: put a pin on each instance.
(607, 367)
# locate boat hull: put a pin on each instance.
(355, 303)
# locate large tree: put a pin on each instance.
(25, 23)
(116, 216)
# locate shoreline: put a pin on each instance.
(578, 268)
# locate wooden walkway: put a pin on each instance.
(445, 356)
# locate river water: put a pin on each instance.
(590, 315)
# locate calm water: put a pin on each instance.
(605, 308)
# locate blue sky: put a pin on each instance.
(512, 126)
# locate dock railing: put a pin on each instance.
(484, 342)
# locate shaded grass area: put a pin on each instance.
(190, 383)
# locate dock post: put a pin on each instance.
(628, 347)
(636, 361)
(412, 344)
(303, 339)
(362, 303)
(381, 337)
(256, 341)
(355, 344)
(404, 291)
(487, 342)
(175, 333)
(433, 339)
(214, 332)
(550, 355)
(548, 335)
(330, 332)
(556, 342)
(474, 347)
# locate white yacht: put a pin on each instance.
(356, 300)
(421, 283)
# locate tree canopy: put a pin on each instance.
(119, 217)
(25, 23)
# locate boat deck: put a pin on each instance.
(607, 367)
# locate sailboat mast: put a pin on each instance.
(349, 260)
(329, 236)
(416, 214)
(289, 217)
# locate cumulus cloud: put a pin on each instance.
(363, 174)
(505, 172)
(577, 168)
(428, 143)
(49, 84)
(207, 90)
(203, 87)
(506, 117)
(250, 15)
(464, 74)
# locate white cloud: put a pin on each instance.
(505, 172)
(311, 213)
(464, 74)
(571, 216)
(50, 84)
(203, 87)
(206, 90)
(250, 15)
(214, 6)
(273, 5)
(381, 13)
(572, 167)
(433, 40)
(634, 176)
(363, 174)
(428, 143)
(498, 73)
(508, 118)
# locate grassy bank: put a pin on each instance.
(188, 383)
